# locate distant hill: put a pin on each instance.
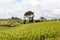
(11, 22)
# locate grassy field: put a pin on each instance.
(34, 31)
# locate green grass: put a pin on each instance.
(33, 31)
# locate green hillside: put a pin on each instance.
(34, 31)
(10, 22)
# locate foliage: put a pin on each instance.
(29, 15)
(42, 19)
(37, 20)
(10, 22)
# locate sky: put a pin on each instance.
(47, 8)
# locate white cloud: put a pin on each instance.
(31, 2)
(46, 8)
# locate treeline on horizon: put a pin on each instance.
(28, 18)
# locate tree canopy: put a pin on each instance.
(29, 13)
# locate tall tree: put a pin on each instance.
(29, 15)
